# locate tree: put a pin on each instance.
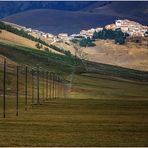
(95, 35)
(46, 49)
(119, 37)
(87, 42)
(38, 46)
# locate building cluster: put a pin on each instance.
(127, 26)
(47, 36)
(85, 33)
(61, 36)
(130, 27)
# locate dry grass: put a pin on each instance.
(8, 36)
(130, 55)
(76, 122)
(65, 46)
(12, 38)
(99, 112)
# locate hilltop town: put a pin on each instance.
(134, 29)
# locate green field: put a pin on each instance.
(79, 123)
(100, 110)
(105, 113)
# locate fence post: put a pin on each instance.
(17, 88)
(50, 84)
(4, 89)
(38, 89)
(63, 89)
(26, 93)
(32, 77)
(46, 85)
(57, 86)
(53, 84)
(43, 86)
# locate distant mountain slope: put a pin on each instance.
(137, 10)
(97, 14)
(57, 21)
(11, 7)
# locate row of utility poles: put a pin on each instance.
(43, 85)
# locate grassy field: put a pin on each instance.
(100, 110)
(79, 122)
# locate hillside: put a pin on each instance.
(108, 99)
(15, 39)
(136, 10)
(11, 7)
(131, 55)
(98, 112)
(49, 20)
(65, 65)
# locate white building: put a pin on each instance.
(98, 29)
(50, 35)
(28, 29)
(63, 37)
(131, 27)
(87, 33)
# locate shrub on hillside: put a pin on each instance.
(104, 34)
(39, 46)
(46, 49)
(87, 42)
(117, 35)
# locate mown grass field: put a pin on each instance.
(79, 123)
(104, 113)
(101, 110)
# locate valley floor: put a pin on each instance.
(107, 113)
(77, 122)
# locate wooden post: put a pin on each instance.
(46, 85)
(17, 88)
(38, 89)
(58, 87)
(4, 89)
(32, 87)
(43, 87)
(52, 87)
(53, 84)
(26, 91)
(50, 84)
